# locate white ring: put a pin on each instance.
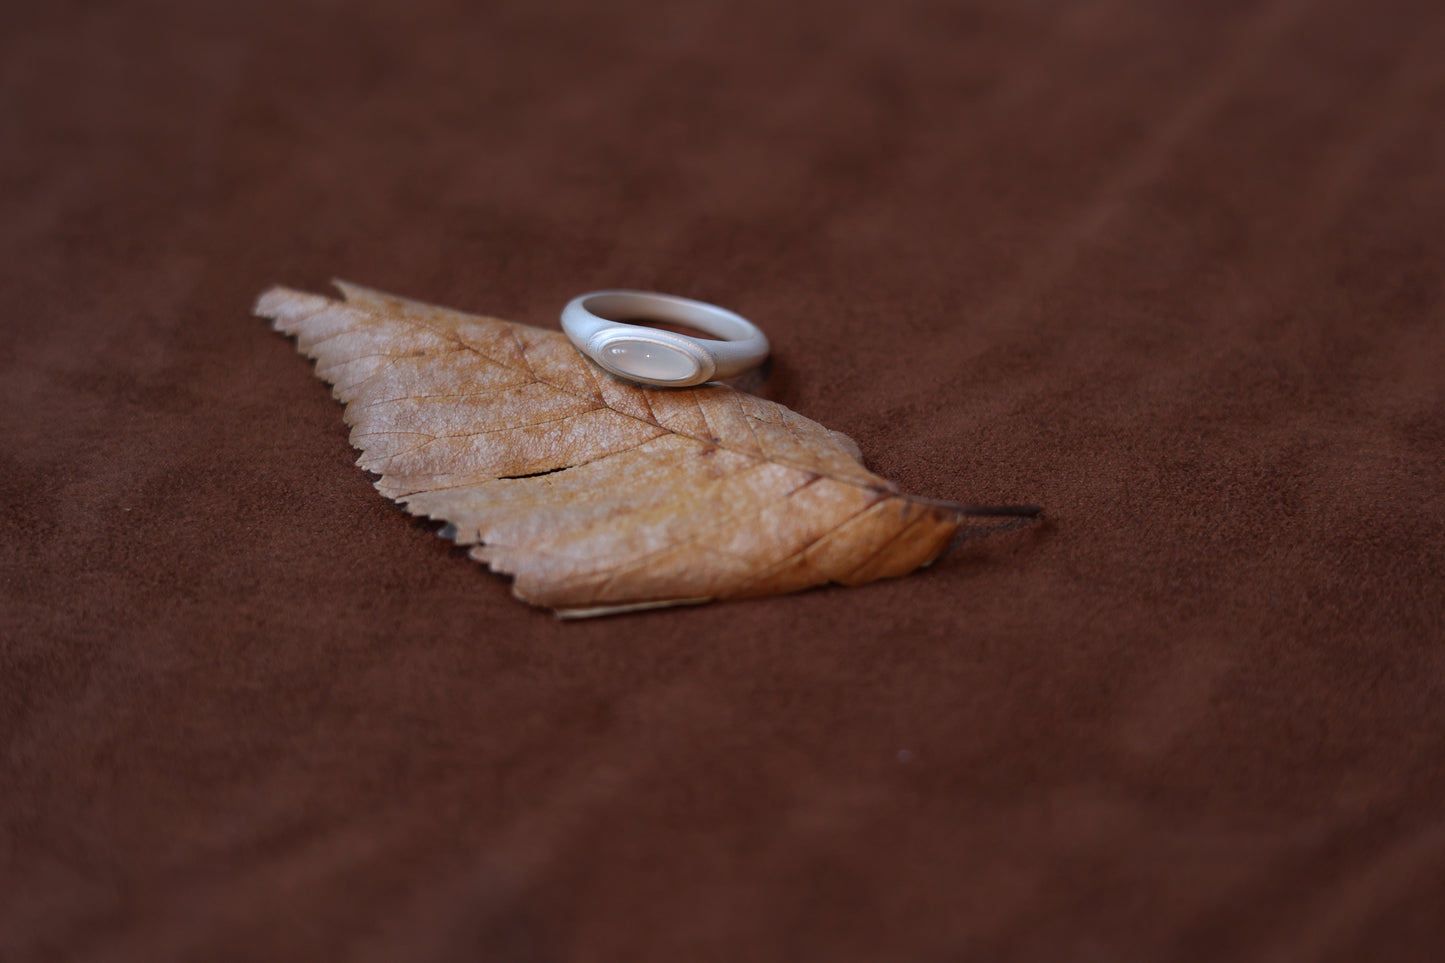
(664, 359)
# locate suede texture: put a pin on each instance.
(1171, 270)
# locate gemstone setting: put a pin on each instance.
(650, 360)
(652, 357)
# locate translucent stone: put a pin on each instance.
(645, 359)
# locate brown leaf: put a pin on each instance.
(599, 495)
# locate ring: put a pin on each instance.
(663, 359)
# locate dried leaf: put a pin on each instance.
(596, 494)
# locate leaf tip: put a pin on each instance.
(350, 290)
(287, 308)
(270, 302)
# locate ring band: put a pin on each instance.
(663, 359)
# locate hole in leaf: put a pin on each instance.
(535, 474)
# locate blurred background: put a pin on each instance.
(1172, 270)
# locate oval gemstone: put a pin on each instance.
(645, 359)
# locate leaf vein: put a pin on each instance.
(696, 534)
(886, 544)
(809, 545)
(455, 396)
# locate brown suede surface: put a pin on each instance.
(1173, 270)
